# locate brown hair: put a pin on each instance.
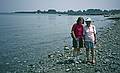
(80, 19)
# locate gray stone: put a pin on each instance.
(66, 48)
(59, 62)
(20, 48)
(7, 63)
(80, 61)
(114, 53)
(25, 61)
(79, 68)
(104, 62)
(69, 61)
(67, 70)
(113, 66)
(107, 60)
(31, 65)
(98, 72)
(86, 65)
(18, 61)
(100, 50)
(60, 55)
(50, 56)
(15, 58)
(111, 56)
(8, 72)
(15, 71)
(53, 68)
(21, 64)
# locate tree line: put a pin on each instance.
(79, 12)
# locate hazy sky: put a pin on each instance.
(60, 5)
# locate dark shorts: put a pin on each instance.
(78, 43)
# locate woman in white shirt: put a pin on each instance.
(89, 39)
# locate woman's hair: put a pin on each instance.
(80, 19)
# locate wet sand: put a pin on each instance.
(107, 57)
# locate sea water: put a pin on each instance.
(25, 38)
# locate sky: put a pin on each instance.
(59, 5)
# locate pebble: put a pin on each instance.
(25, 61)
(99, 53)
(80, 61)
(67, 70)
(112, 62)
(53, 68)
(100, 50)
(105, 69)
(114, 53)
(113, 66)
(73, 64)
(58, 51)
(98, 72)
(69, 57)
(97, 69)
(15, 71)
(109, 49)
(86, 65)
(21, 64)
(20, 48)
(7, 63)
(8, 72)
(66, 48)
(111, 56)
(104, 62)
(18, 61)
(79, 68)
(15, 58)
(50, 56)
(76, 62)
(31, 65)
(39, 71)
(57, 61)
(107, 60)
(69, 61)
(117, 58)
(60, 55)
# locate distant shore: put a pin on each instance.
(72, 12)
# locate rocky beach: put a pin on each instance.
(107, 56)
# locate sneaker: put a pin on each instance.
(93, 62)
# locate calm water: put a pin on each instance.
(24, 38)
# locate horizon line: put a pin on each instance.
(56, 10)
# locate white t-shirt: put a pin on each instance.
(89, 33)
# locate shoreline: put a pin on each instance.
(107, 57)
(108, 50)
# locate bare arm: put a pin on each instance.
(73, 34)
(95, 38)
(95, 34)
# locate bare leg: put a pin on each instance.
(75, 52)
(87, 54)
(93, 55)
(78, 51)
